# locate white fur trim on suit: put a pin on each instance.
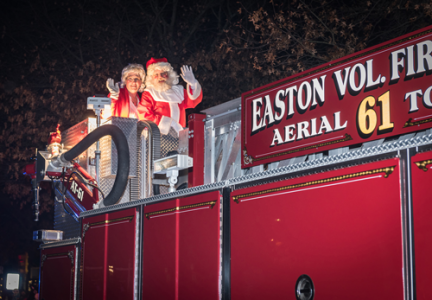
(163, 66)
(177, 127)
(165, 124)
(175, 111)
(196, 90)
(174, 95)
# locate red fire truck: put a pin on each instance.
(311, 187)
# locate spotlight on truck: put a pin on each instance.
(171, 166)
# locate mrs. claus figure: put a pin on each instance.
(125, 98)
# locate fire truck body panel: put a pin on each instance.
(109, 255)
(422, 207)
(181, 255)
(342, 228)
(345, 223)
(58, 272)
(338, 220)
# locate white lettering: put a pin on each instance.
(268, 112)
(424, 50)
(395, 63)
(80, 194)
(277, 138)
(290, 94)
(410, 60)
(302, 130)
(318, 90)
(413, 99)
(426, 98)
(361, 77)
(289, 133)
(256, 114)
(307, 93)
(341, 85)
(325, 125)
(308, 129)
(370, 81)
(280, 104)
(313, 127)
(337, 121)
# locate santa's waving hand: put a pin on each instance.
(189, 78)
(164, 101)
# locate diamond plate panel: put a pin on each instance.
(137, 187)
(106, 185)
(169, 142)
(109, 159)
(144, 186)
(139, 184)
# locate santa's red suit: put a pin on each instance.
(167, 108)
(122, 107)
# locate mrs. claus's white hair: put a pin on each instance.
(135, 68)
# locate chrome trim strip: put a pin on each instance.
(137, 256)
(60, 243)
(77, 252)
(158, 198)
(340, 158)
(409, 238)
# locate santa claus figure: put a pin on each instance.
(54, 142)
(125, 98)
(164, 101)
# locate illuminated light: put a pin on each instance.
(278, 220)
(47, 235)
(98, 103)
(174, 162)
(271, 240)
(12, 281)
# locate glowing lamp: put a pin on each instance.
(170, 163)
(12, 281)
(171, 166)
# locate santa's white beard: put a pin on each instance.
(161, 86)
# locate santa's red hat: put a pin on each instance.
(163, 65)
(155, 61)
(158, 63)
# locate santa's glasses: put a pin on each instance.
(160, 74)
